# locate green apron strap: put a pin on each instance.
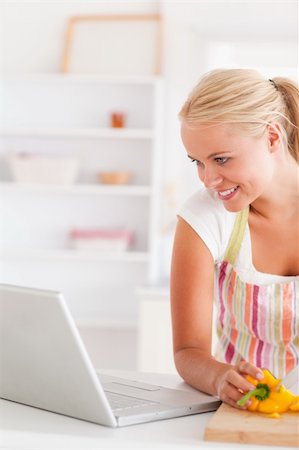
(236, 236)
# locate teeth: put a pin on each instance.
(229, 191)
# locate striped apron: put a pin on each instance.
(259, 324)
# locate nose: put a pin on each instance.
(210, 177)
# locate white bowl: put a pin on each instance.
(27, 168)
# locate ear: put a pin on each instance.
(274, 136)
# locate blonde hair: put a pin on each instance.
(244, 97)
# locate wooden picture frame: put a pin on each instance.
(135, 51)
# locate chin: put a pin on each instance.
(235, 207)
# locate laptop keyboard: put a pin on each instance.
(120, 402)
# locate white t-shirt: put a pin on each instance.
(205, 213)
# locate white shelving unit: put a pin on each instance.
(104, 133)
(76, 189)
(68, 115)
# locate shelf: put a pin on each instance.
(89, 324)
(69, 115)
(83, 133)
(74, 255)
(82, 78)
(94, 189)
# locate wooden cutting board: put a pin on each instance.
(229, 424)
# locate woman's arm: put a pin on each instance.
(192, 286)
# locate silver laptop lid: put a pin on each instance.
(43, 362)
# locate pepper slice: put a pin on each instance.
(269, 396)
(295, 404)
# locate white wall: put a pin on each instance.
(198, 35)
(201, 35)
(33, 30)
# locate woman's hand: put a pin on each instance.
(231, 382)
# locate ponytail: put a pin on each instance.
(290, 95)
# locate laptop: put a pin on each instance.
(44, 364)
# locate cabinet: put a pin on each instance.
(155, 346)
(68, 115)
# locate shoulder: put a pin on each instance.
(201, 198)
(205, 213)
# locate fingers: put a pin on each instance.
(232, 396)
(246, 368)
(232, 388)
(239, 382)
(233, 383)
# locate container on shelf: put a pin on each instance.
(117, 119)
(114, 177)
(43, 169)
(102, 239)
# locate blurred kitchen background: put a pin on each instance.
(92, 169)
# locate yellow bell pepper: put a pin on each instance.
(295, 404)
(269, 396)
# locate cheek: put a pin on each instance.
(200, 173)
(256, 178)
(257, 169)
(264, 169)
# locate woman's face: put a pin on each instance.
(237, 167)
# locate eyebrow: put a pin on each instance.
(209, 157)
(212, 155)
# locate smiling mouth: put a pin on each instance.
(227, 192)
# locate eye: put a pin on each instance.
(198, 163)
(221, 161)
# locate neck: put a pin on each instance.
(281, 196)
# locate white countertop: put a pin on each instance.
(26, 428)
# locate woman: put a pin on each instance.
(237, 239)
